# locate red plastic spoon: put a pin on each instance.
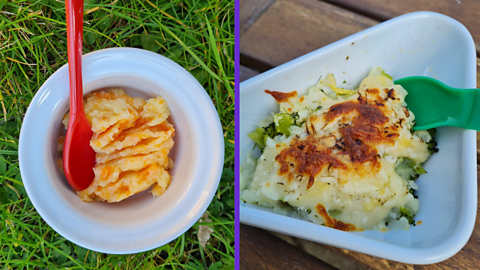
(78, 155)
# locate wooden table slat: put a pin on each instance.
(251, 10)
(291, 28)
(247, 73)
(465, 11)
(261, 250)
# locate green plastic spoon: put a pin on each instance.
(436, 104)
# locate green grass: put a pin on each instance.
(197, 34)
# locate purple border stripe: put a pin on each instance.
(237, 125)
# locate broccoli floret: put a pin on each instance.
(258, 137)
(295, 118)
(405, 213)
(415, 166)
(281, 125)
(283, 122)
(409, 169)
(432, 144)
(432, 132)
(432, 147)
(270, 131)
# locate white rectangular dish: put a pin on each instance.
(420, 43)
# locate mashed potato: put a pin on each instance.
(132, 139)
(342, 158)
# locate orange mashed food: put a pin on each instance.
(132, 139)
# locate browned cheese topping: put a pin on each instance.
(364, 127)
(308, 157)
(333, 223)
(280, 96)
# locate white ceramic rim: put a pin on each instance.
(210, 175)
(255, 216)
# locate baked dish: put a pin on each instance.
(346, 159)
(132, 139)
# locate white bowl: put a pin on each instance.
(420, 43)
(141, 222)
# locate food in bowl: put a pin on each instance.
(347, 159)
(132, 139)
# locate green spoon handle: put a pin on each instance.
(436, 104)
(470, 116)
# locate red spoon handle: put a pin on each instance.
(74, 9)
(78, 155)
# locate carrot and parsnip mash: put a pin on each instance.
(132, 139)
